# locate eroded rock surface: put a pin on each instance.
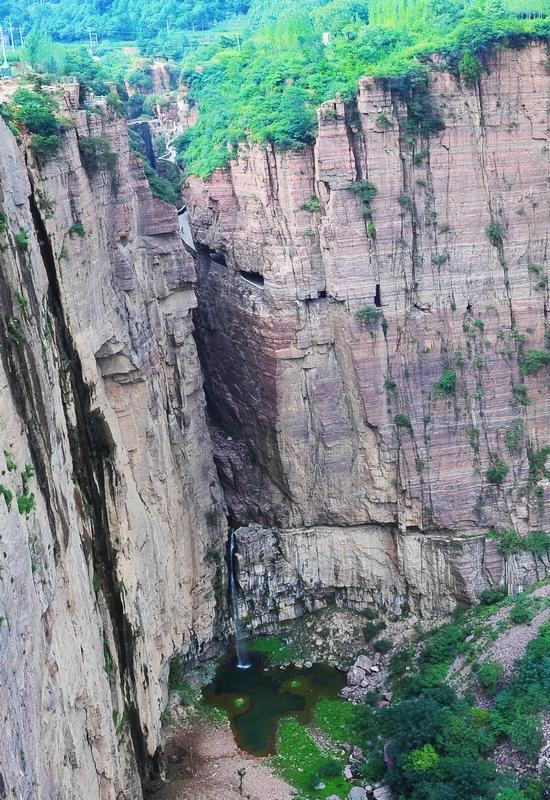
(101, 396)
(337, 427)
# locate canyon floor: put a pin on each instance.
(205, 763)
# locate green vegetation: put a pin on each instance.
(312, 204)
(536, 542)
(498, 470)
(446, 385)
(514, 436)
(22, 241)
(368, 314)
(26, 499)
(273, 648)
(97, 154)
(366, 191)
(402, 421)
(490, 673)
(301, 762)
(519, 395)
(38, 112)
(77, 228)
(3, 222)
(268, 85)
(495, 233)
(534, 361)
(7, 495)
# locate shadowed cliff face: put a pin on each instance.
(101, 394)
(451, 258)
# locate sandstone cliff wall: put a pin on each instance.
(453, 259)
(101, 394)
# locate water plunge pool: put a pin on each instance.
(256, 699)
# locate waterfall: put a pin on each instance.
(240, 644)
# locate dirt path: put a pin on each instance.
(203, 764)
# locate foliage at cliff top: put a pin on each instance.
(267, 86)
(143, 21)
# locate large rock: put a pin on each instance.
(357, 793)
(355, 676)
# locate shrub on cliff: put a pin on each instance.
(38, 112)
(446, 385)
(97, 154)
(534, 361)
(497, 472)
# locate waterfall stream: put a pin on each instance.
(240, 643)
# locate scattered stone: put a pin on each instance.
(347, 748)
(320, 786)
(355, 676)
(383, 793)
(368, 788)
(374, 668)
(357, 754)
(294, 791)
(348, 774)
(333, 797)
(388, 696)
(357, 793)
(308, 664)
(347, 692)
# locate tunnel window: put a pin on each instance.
(378, 297)
(252, 277)
(322, 293)
(217, 258)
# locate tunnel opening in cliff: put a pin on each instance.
(255, 278)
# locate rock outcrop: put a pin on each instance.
(112, 525)
(367, 308)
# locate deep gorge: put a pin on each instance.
(161, 400)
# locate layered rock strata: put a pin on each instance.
(111, 519)
(367, 307)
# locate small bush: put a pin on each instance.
(446, 385)
(495, 233)
(45, 145)
(490, 597)
(497, 472)
(383, 645)
(3, 222)
(405, 201)
(519, 395)
(97, 154)
(312, 204)
(22, 241)
(389, 384)
(372, 629)
(514, 436)
(534, 361)
(423, 758)
(402, 421)
(521, 614)
(490, 674)
(77, 228)
(368, 314)
(470, 67)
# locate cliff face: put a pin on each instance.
(112, 571)
(453, 265)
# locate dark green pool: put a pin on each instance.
(256, 699)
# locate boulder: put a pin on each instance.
(357, 793)
(383, 793)
(333, 797)
(363, 662)
(355, 676)
(348, 774)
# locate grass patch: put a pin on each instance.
(273, 649)
(300, 762)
